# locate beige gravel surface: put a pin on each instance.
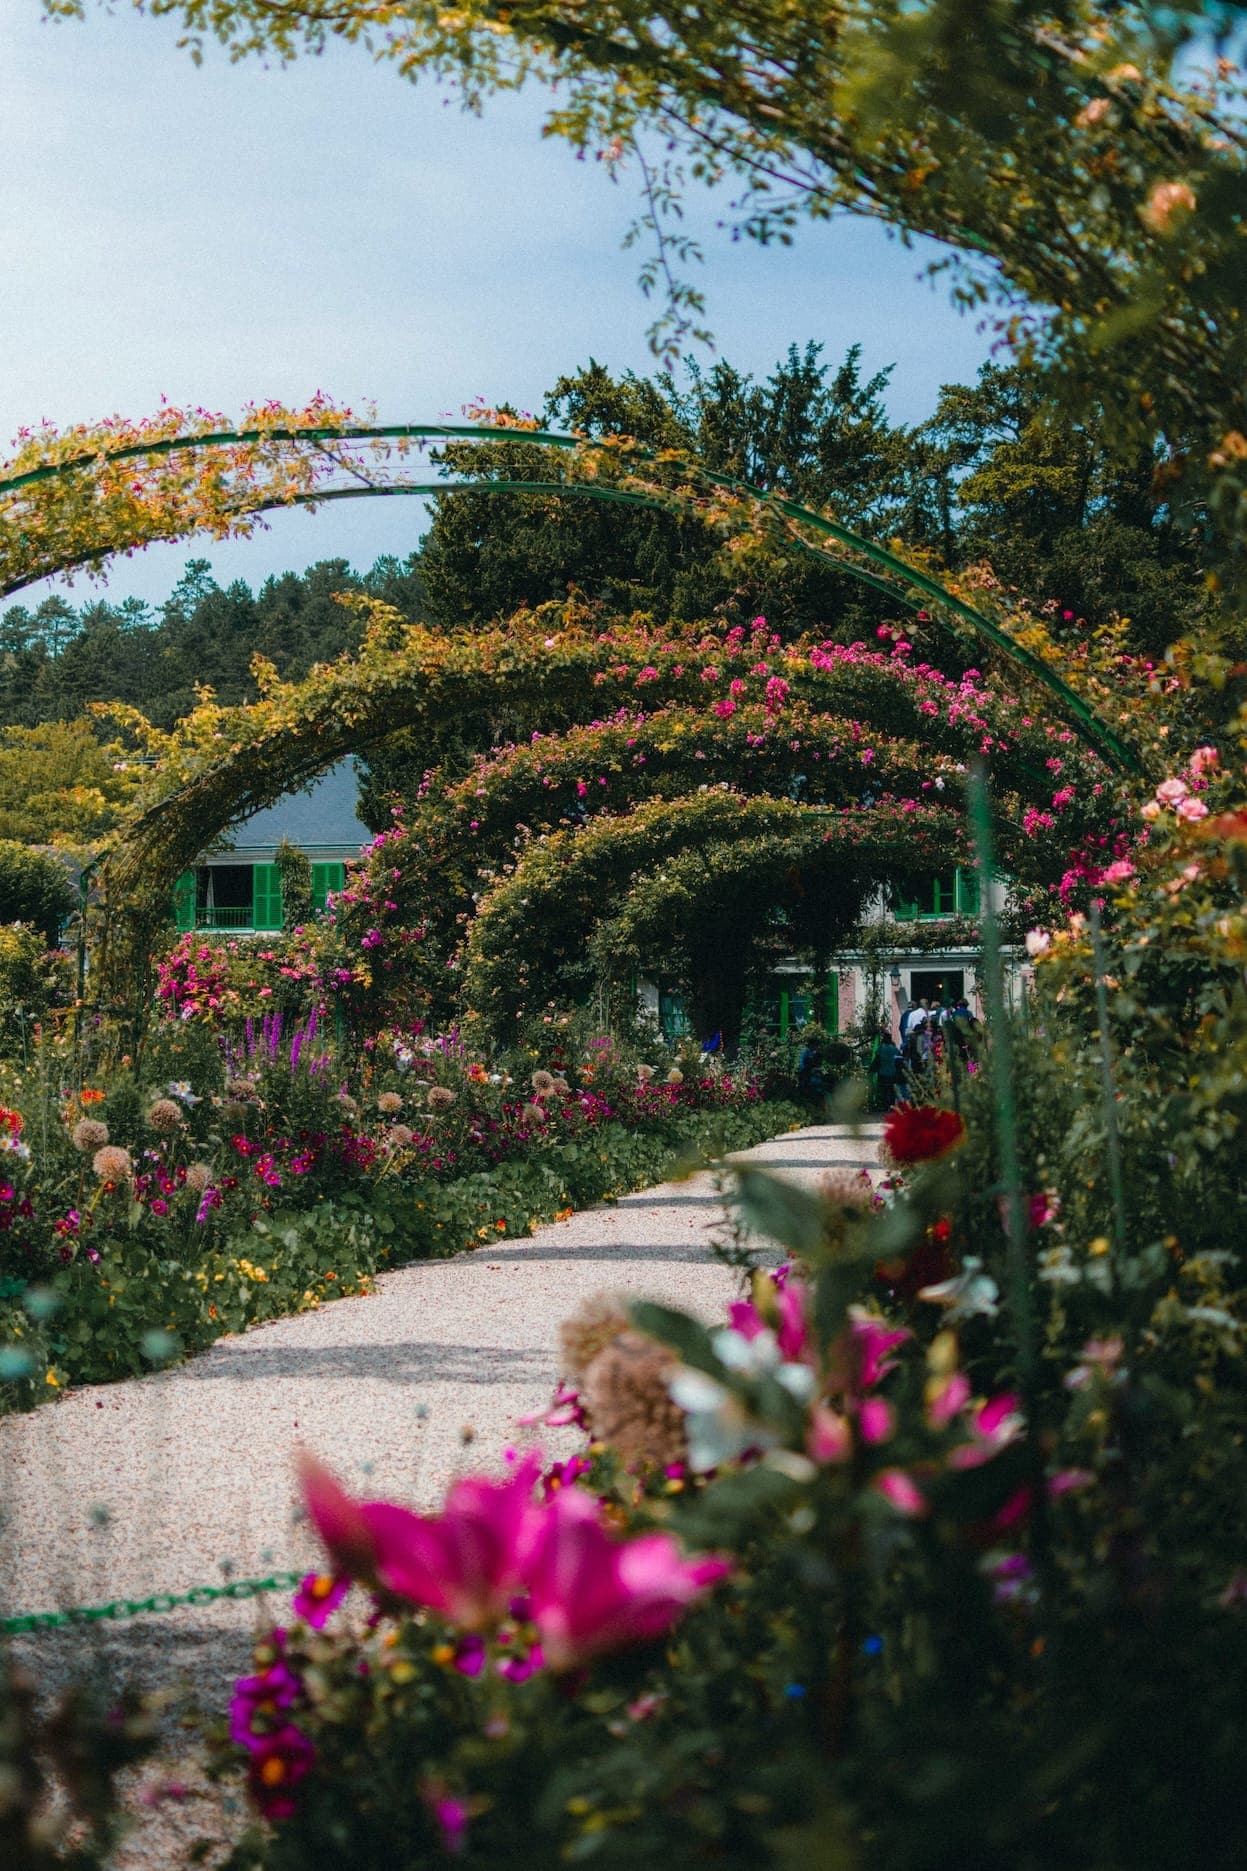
(181, 1478)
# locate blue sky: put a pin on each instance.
(230, 233)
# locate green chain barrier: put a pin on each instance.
(159, 1603)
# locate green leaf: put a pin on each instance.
(686, 1336)
(781, 1210)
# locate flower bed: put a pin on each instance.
(930, 1554)
(146, 1218)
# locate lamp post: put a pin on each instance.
(894, 976)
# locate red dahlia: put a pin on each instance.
(918, 1133)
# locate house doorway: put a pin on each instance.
(945, 985)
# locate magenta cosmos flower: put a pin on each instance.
(585, 1591)
(590, 1593)
(278, 1763)
(463, 1562)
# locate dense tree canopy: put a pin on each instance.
(55, 660)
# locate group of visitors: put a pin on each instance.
(927, 1032)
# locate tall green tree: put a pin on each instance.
(821, 435)
(1058, 513)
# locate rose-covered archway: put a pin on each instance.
(815, 724)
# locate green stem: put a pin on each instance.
(1116, 1181)
(999, 1059)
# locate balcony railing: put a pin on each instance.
(225, 916)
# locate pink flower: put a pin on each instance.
(259, 1703)
(341, 1523)
(318, 1595)
(1118, 872)
(450, 1814)
(590, 1593)
(278, 1763)
(997, 1423)
(829, 1437)
(872, 1341)
(1192, 809)
(877, 1420)
(1204, 759)
(900, 1491)
(462, 1562)
(948, 1401)
(1169, 792)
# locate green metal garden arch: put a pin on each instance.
(884, 569)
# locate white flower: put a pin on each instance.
(970, 1294)
(752, 1357)
(798, 1380)
(179, 1088)
(1213, 1315)
(716, 1424)
(1038, 942)
(1057, 1267)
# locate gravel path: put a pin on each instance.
(162, 1483)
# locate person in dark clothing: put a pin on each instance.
(961, 1027)
(887, 1065)
(811, 1077)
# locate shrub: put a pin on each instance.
(34, 889)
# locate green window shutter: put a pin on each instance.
(184, 900)
(265, 896)
(326, 878)
(944, 894)
(904, 909)
(832, 1019)
(783, 1012)
(968, 892)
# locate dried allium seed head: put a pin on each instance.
(645, 1073)
(112, 1163)
(601, 1318)
(89, 1134)
(199, 1177)
(441, 1097)
(389, 1103)
(401, 1135)
(675, 1076)
(561, 1086)
(240, 1088)
(625, 1392)
(847, 1188)
(165, 1115)
(542, 1081)
(533, 1114)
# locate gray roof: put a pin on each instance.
(324, 818)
